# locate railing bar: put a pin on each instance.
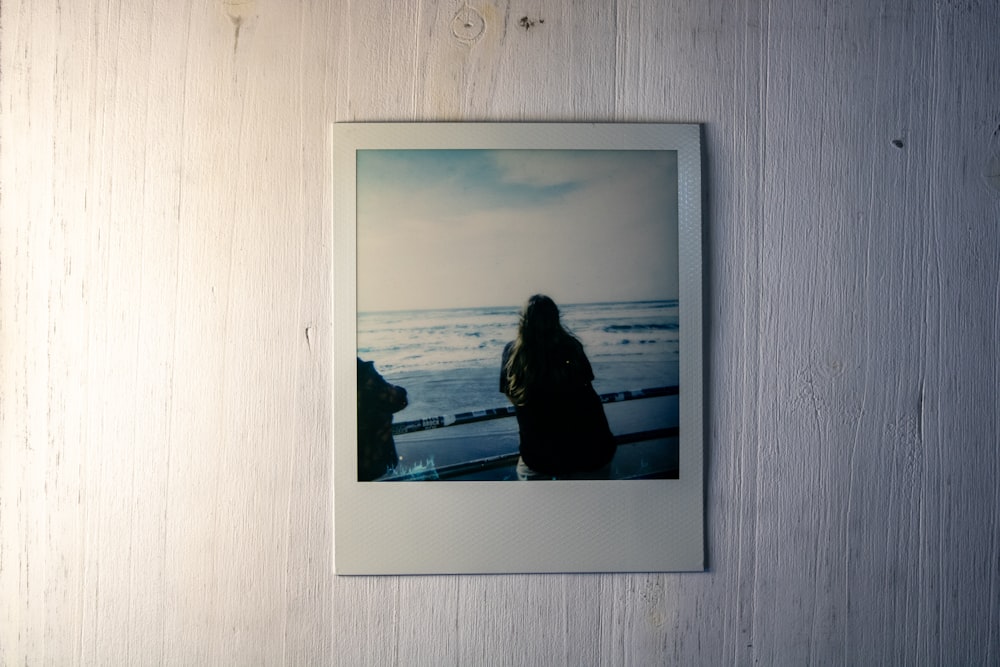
(441, 421)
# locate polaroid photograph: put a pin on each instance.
(517, 348)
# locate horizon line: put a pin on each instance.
(513, 307)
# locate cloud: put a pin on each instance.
(490, 227)
(542, 168)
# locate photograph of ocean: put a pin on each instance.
(448, 360)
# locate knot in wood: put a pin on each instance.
(468, 24)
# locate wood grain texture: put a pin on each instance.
(165, 328)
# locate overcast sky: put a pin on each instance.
(469, 228)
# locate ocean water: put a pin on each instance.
(449, 360)
(449, 363)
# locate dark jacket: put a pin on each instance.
(377, 400)
(562, 425)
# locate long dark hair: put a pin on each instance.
(537, 355)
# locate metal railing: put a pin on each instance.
(442, 421)
(465, 468)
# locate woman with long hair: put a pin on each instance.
(547, 376)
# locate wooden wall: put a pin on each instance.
(165, 327)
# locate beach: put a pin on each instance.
(449, 363)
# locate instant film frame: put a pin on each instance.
(442, 527)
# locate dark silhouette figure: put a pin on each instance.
(547, 376)
(377, 401)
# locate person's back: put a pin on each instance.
(548, 377)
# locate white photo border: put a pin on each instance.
(482, 527)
